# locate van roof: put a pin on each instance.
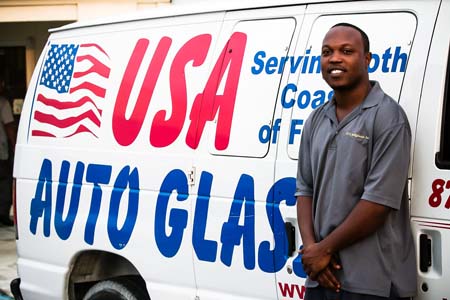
(201, 6)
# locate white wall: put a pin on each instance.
(26, 22)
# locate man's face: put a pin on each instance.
(343, 61)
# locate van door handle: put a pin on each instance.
(424, 252)
(290, 234)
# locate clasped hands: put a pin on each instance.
(319, 264)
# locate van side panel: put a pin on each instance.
(103, 151)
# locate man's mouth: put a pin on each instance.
(336, 71)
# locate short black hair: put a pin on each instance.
(365, 38)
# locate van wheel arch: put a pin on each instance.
(91, 267)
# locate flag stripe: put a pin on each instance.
(66, 105)
(98, 91)
(96, 46)
(63, 123)
(81, 129)
(97, 67)
(42, 133)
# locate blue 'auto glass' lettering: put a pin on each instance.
(232, 232)
(119, 237)
(273, 260)
(169, 245)
(205, 250)
(63, 226)
(96, 174)
(42, 208)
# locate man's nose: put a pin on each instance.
(335, 56)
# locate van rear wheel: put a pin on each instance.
(116, 289)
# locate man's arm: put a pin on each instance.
(304, 219)
(326, 277)
(365, 218)
(304, 207)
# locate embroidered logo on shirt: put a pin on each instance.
(357, 135)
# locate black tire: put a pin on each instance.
(116, 289)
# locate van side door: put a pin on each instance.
(233, 239)
(430, 202)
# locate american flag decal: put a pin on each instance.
(71, 91)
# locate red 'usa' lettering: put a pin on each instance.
(206, 105)
(164, 133)
(126, 130)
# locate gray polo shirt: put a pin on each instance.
(365, 156)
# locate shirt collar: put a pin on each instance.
(374, 97)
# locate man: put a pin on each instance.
(352, 202)
(6, 136)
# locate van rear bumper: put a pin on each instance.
(15, 289)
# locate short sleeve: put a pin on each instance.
(388, 171)
(304, 185)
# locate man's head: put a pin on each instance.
(345, 57)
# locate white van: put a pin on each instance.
(157, 155)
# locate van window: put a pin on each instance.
(267, 44)
(443, 156)
(390, 53)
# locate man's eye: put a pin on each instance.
(325, 52)
(347, 51)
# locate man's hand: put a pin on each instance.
(327, 279)
(315, 259)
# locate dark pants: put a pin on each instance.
(320, 293)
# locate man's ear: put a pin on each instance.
(368, 58)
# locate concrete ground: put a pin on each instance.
(8, 260)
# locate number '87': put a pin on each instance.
(437, 188)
